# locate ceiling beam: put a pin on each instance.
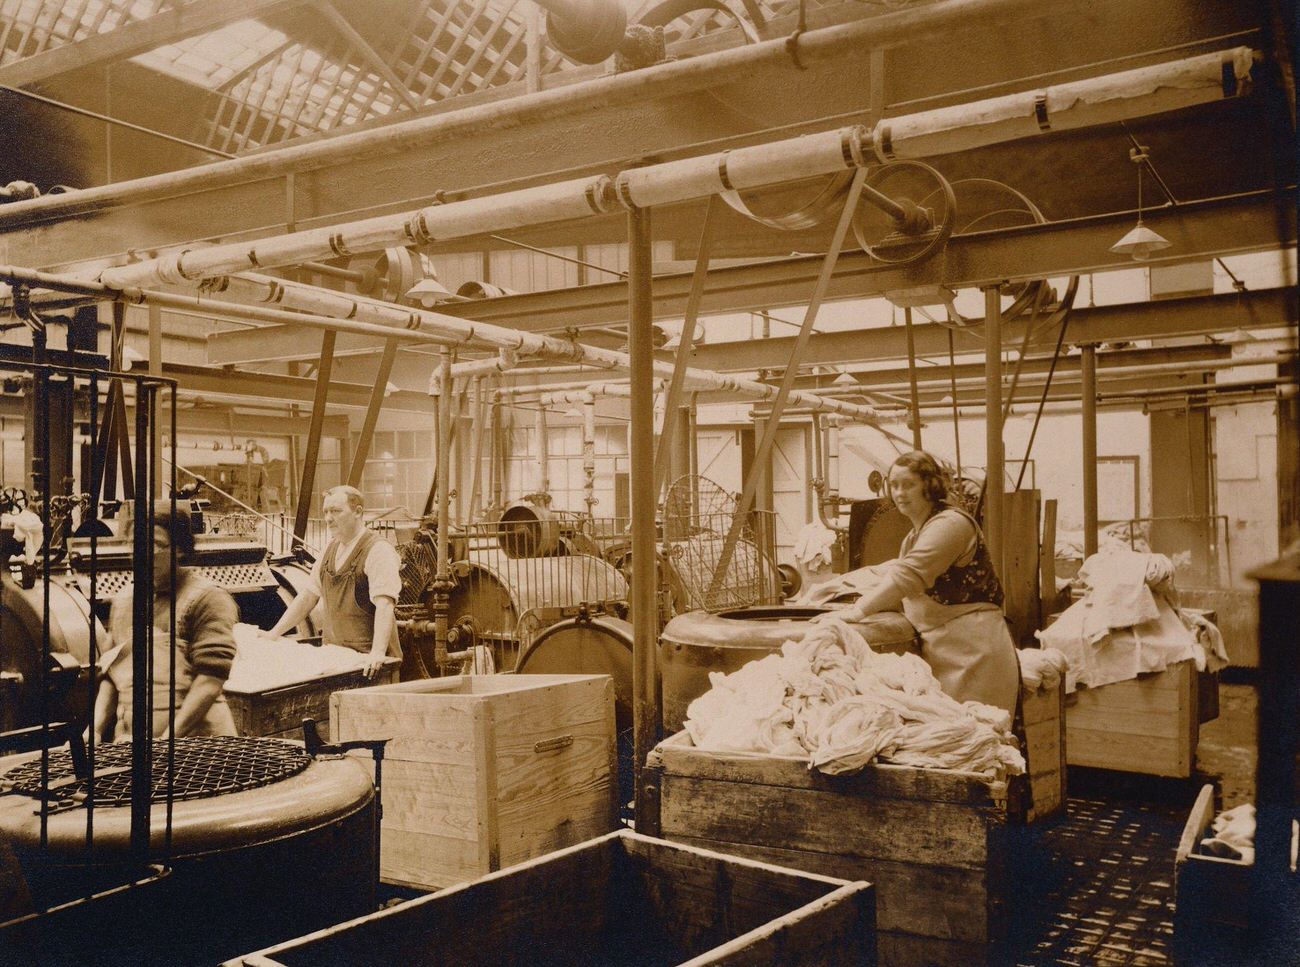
(1198, 231)
(211, 381)
(1167, 318)
(136, 37)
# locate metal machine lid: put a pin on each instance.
(205, 766)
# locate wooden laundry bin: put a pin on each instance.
(1043, 711)
(1149, 724)
(621, 899)
(934, 842)
(482, 771)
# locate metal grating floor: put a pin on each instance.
(1098, 886)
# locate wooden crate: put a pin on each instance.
(1209, 889)
(1149, 724)
(1045, 760)
(619, 899)
(279, 711)
(484, 771)
(933, 842)
(1212, 912)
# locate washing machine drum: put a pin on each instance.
(263, 840)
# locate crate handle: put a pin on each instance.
(551, 745)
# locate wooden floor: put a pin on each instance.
(1099, 883)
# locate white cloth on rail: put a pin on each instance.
(831, 701)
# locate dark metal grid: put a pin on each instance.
(1098, 887)
(206, 766)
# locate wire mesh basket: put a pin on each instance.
(695, 556)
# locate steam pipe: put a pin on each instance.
(1106, 99)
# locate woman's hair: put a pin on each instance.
(933, 481)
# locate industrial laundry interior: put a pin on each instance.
(577, 482)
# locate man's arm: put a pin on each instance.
(385, 620)
(294, 615)
(105, 705)
(204, 690)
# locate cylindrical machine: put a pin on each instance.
(22, 628)
(529, 530)
(507, 600)
(264, 840)
(600, 645)
(696, 643)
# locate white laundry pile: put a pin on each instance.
(1041, 668)
(831, 701)
(262, 663)
(813, 545)
(29, 530)
(1234, 835)
(1128, 622)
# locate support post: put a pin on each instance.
(645, 613)
(1088, 379)
(911, 379)
(993, 471)
(311, 455)
(372, 413)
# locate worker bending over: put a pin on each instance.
(943, 578)
(357, 578)
(204, 646)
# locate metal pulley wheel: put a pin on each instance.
(906, 214)
(988, 205)
(390, 276)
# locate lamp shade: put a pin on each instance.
(1140, 243)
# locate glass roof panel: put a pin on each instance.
(212, 59)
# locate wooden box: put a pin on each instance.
(1213, 913)
(1149, 724)
(279, 711)
(484, 771)
(620, 899)
(933, 842)
(1044, 718)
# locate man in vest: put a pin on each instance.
(204, 647)
(358, 579)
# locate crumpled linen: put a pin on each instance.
(262, 663)
(1211, 653)
(28, 529)
(813, 545)
(831, 701)
(859, 581)
(1041, 668)
(1126, 623)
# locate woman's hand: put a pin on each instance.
(849, 613)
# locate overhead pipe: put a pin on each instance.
(505, 359)
(431, 328)
(1108, 99)
(688, 74)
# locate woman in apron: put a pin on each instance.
(943, 578)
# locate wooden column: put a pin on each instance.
(645, 617)
(1088, 379)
